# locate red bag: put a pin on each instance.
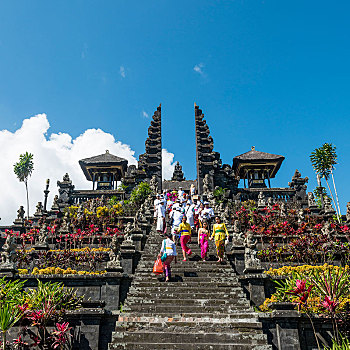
(158, 267)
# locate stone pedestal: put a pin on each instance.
(8, 270)
(41, 246)
(127, 253)
(237, 253)
(137, 238)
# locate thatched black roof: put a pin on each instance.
(257, 159)
(103, 160)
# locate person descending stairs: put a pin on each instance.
(202, 307)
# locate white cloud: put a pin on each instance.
(145, 114)
(168, 164)
(54, 155)
(122, 71)
(199, 68)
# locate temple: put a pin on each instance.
(101, 244)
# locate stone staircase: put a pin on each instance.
(202, 307)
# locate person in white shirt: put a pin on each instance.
(180, 193)
(189, 212)
(169, 248)
(160, 217)
(192, 190)
(176, 217)
(207, 213)
(155, 204)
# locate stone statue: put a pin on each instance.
(55, 205)
(80, 212)
(327, 230)
(39, 209)
(301, 216)
(65, 223)
(114, 261)
(283, 210)
(43, 235)
(311, 200)
(237, 236)
(328, 208)
(206, 185)
(226, 216)
(154, 184)
(251, 260)
(9, 252)
(261, 200)
(20, 213)
(127, 232)
(270, 203)
(348, 212)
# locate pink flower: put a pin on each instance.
(329, 304)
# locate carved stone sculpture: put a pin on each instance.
(283, 210)
(42, 238)
(261, 200)
(237, 236)
(154, 184)
(127, 232)
(311, 200)
(328, 208)
(55, 206)
(207, 185)
(348, 212)
(8, 253)
(114, 260)
(327, 230)
(39, 209)
(20, 213)
(270, 203)
(301, 216)
(251, 260)
(80, 212)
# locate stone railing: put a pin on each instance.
(277, 194)
(80, 196)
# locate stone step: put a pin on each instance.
(151, 294)
(186, 346)
(190, 326)
(178, 335)
(191, 316)
(180, 309)
(187, 302)
(186, 283)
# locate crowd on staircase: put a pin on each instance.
(187, 214)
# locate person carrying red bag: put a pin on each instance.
(167, 255)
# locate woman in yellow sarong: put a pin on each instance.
(219, 234)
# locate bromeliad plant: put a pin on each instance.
(323, 290)
(40, 307)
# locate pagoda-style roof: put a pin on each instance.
(106, 162)
(257, 160)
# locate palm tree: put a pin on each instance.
(23, 169)
(323, 160)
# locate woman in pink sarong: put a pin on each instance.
(203, 236)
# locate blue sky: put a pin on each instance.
(273, 74)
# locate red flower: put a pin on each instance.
(329, 304)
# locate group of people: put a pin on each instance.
(187, 214)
